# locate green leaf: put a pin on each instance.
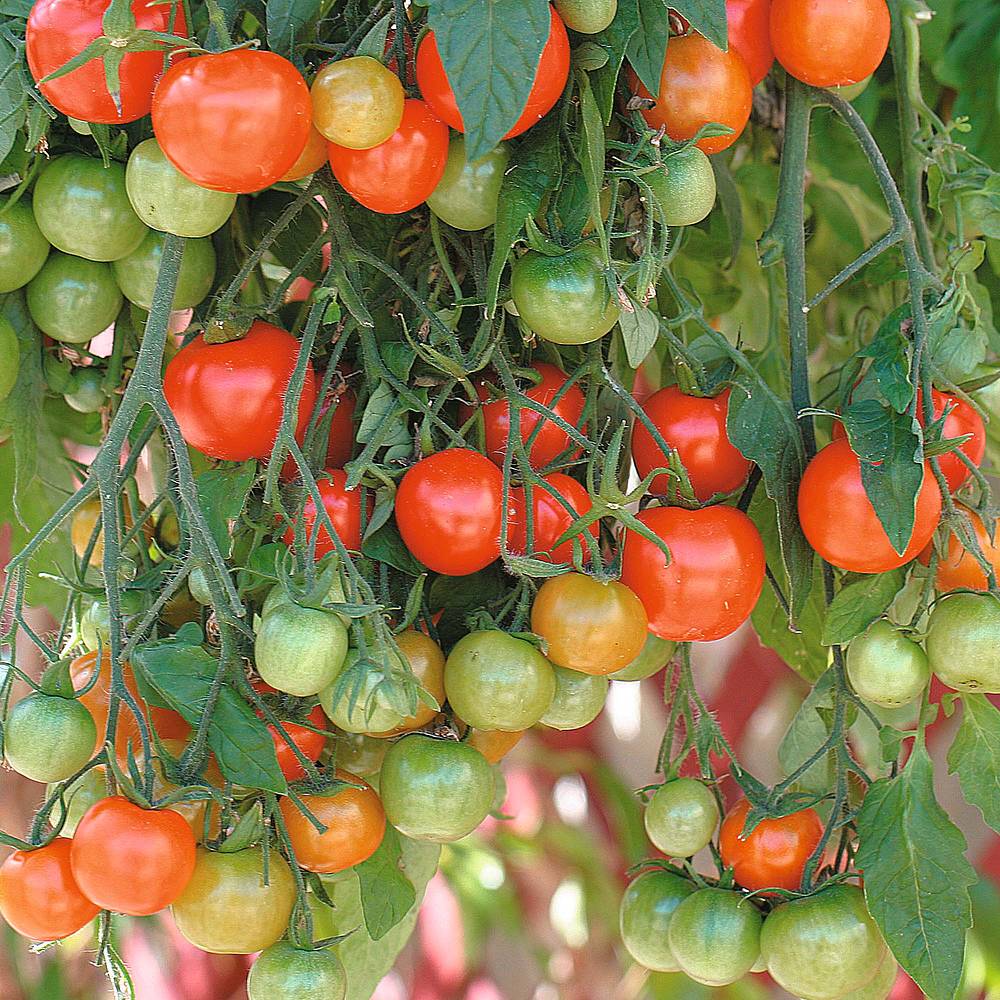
(975, 756)
(614, 39)
(708, 17)
(647, 48)
(386, 893)
(592, 149)
(222, 495)
(385, 545)
(373, 44)
(808, 731)
(639, 332)
(890, 367)
(12, 96)
(285, 21)
(956, 350)
(858, 604)
(490, 50)
(916, 876)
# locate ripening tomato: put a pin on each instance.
(959, 570)
(550, 79)
(750, 34)
(357, 102)
(96, 700)
(774, 855)
(354, 821)
(700, 84)
(398, 174)
(829, 43)
(714, 578)
(840, 522)
(228, 397)
(132, 860)
(344, 509)
(696, 428)
(39, 897)
(493, 744)
(550, 441)
(549, 519)
(312, 157)
(448, 510)
(59, 30)
(426, 660)
(233, 121)
(310, 744)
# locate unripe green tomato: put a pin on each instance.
(72, 299)
(300, 650)
(963, 642)
(578, 700)
(886, 667)
(361, 755)
(166, 200)
(852, 91)
(684, 187)
(466, 196)
(436, 790)
(681, 817)
(587, 16)
(655, 655)
(23, 248)
(372, 712)
(79, 796)
(715, 936)
(496, 681)
(95, 622)
(49, 738)
(644, 918)
(10, 358)
(136, 273)
(85, 393)
(881, 986)
(284, 972)
(198, 586)
(823, 946)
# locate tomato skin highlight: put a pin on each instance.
(550, 79)
(344, 509)
(448, 509)
(713, 581)
(228, 398)
(840, 522)
(59, 30)
(647, 906)
(233, 121)
(750, 34)
(39, 897)
(400, 173)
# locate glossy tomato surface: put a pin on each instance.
(550, 519)
(228, 398)
(233, 121)
(550, 78)
(959, 568)
(344, 509)
(750, 34)
(309, 743)
(713, 581)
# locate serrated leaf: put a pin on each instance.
(647, 48)
(858, 604)
(285, 21)
(975, 756)
(490, 50)
(707, 17)
(386, 893)
(12, 97)
(222, 495)
(916, 876)
(373, 44)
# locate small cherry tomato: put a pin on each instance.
(681, 817)
(284, 972)
(646, 909)
(750, 34)
(23, 248)
(136, 272)
(309, 743)
(577, 701)
(959, 570)
(312, 157)
(97, 699)
(426, 660)
(72, 299)
(357, 102)
(343, 506)
(466, 196)
(685, 187)
(886, 667)
(549, 519)
(963, 642)
(48, 738)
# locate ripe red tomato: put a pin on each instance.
(774, 856)
(343, 506)
(714, 578)
(550, 79)
(550, 441)
(132, 860)
(840, 522)
(39, 897)
(228, 398)
(340, 444)
(958, 570)
(750, 34)
(700, 84)
(310, 744)
(59, 30)
(401, 172)
(829, 43)
(448, 509)
(696, 428)
(233, 121)
(549, 519)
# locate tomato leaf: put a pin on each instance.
(858, 604)
(708, 17)
(639, 332)
(809, 730)
(614, 39)
(285, 21)
(490, 50)
(975, 756)
(647, 48)
(12, 96)
(386, 893)
(222, 495)
(916, 876)
(889, 353)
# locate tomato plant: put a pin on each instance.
(681, 817)
(646, 911)
(284, 972)
(549, 518)
(356, 103)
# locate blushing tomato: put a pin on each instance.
(750, 34)
(493, 744)
(39, 897)
(354, 821)
(550, 79)
(228, 398)
(426, 660)
(840, 522)
(448, 509)
(700, 84)
(714, 578)
(550, 441)
(59, 30)
(96, 700)
(959, 570)
(774, 855)
(310, 744)
(400, 173)
(344, 509)
(549, 519)
(312, 157)
(696, 428)
(233, 121)
(132, 860)
(829, 43)
(357, 102)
